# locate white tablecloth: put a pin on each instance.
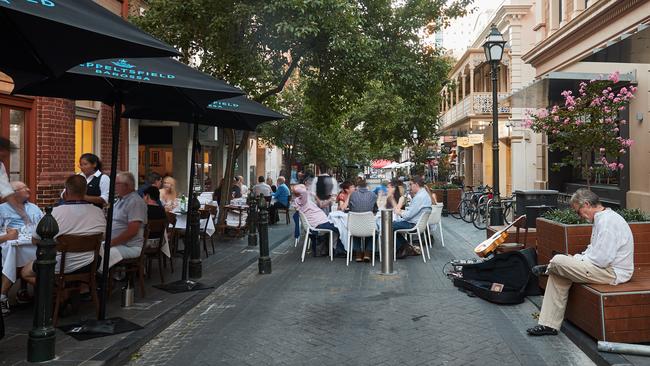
(340, 221)
(16, 253)
(181, 223)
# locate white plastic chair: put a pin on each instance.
(308, 229)
(435, 219)
(419, 229)
(361, 225)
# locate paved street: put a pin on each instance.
(319, 312)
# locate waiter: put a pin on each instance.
(97, 183)
(6, 191)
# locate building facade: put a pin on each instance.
(467, 105)
(584, 39)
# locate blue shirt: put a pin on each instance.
(419, 205)
(15, 221)
(282, 195)
(380, 188)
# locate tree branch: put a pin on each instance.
(287, 74)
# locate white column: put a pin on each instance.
(471, 80)
(182, 152)
(134, 155)
(462, 77)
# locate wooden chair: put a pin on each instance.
(131, 266)
(68, 282)
(156, 231)
(214, 211)
(520, 240)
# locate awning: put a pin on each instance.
(378, 164)
(542, 92)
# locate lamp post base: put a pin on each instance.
(195, 269)
(264, 265)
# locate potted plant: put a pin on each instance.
(587, 126)
(564, 232)
(453, 193)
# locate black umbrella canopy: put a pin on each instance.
(44, 38)
(239, 113)
(158, 82)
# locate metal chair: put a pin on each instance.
(361, 225)
(435, 219)
(309, 229)
(419, 229)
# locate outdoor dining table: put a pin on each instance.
(181, 222)
(15, 254)
(340, 221)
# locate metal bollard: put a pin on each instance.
(40, 345)
(194, 225)
(264, 262)
(387, 242)
(252, 220)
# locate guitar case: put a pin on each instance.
(511, 269)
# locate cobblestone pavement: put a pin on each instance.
(324, 313)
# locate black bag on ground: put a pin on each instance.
(511, 270)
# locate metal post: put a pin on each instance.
(264, 262)
(387, 244)
(252, 220)
(40, 345)
(496, 211)
(194, 222)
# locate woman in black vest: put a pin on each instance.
(97, 183)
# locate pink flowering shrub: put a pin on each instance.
(587, 125)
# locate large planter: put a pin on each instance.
(453, 198)
(555, 238)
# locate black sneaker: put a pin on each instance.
(4, 305)
(541, 330)
(539, 270)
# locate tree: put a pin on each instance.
(587, 126)
(259, 45)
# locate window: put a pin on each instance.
(17, 136)
(84, 139)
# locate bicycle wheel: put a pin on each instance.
(507, 212)
(456, 214)
(466, 211)
(481, 216)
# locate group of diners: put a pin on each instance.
(80, 213)
(318, 204)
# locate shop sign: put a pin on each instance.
(463, 141)
(475, 138)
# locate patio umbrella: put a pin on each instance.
(239, 113)
(45, 38)
(155, 82)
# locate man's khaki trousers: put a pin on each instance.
(563, 271)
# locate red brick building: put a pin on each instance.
(51, 133)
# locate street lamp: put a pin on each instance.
(493, 47)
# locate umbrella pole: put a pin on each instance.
(195, 265)
(117, 112)
(192, 265)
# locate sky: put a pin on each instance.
(462, 32)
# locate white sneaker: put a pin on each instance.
(4, 305)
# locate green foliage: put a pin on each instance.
(443, 186)
(569, 217)
(633, 215)
(359, 76)
(564, 216)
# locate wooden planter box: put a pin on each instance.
(453, 198)
(613, 313)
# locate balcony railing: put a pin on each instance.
(479, 103)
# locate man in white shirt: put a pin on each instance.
(74, 217)
(609, 260)
(262, 188)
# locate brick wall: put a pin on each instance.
(106, 129)
(55, 141)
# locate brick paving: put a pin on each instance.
(325, 313)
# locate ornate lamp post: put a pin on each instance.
(493, 47)
(414, 134)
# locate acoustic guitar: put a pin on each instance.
(490, 245)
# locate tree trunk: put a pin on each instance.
(228, 172)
